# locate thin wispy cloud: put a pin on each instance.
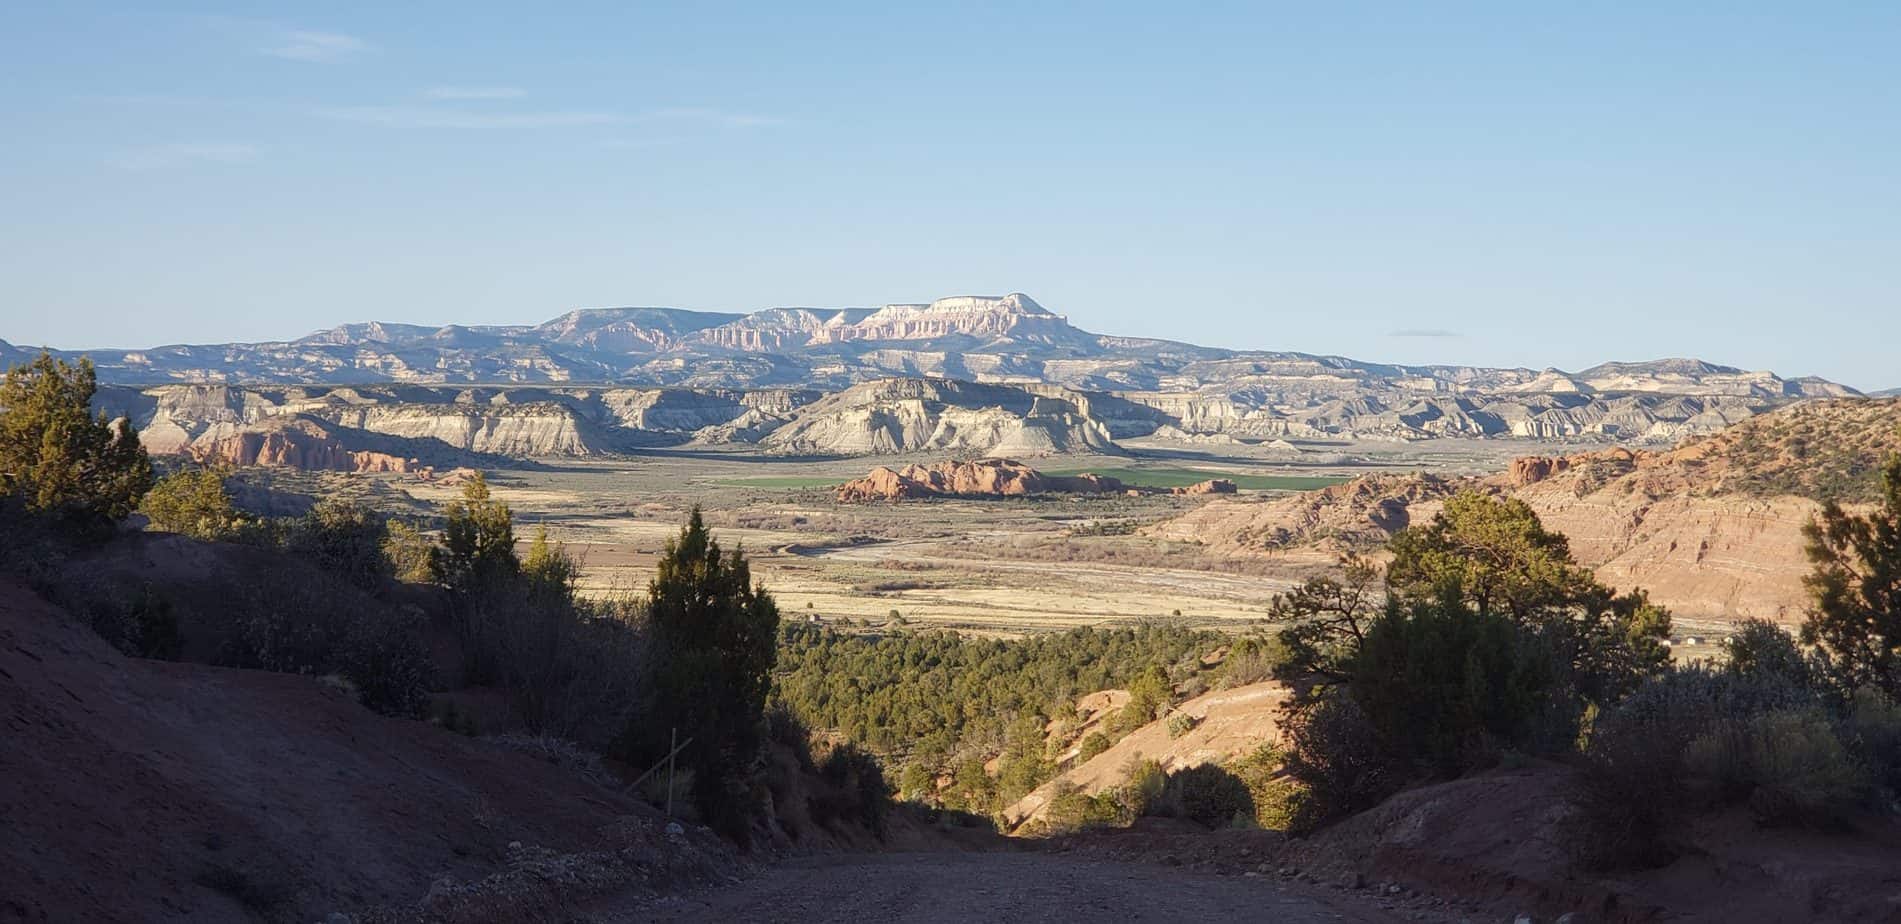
(435, 117)
(713, 116)
(1425, 332)
(174, 156)
(463, 117)
(474, 93)
(314, 47)
(636, 144)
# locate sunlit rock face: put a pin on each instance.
(967, 372)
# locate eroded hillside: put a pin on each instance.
(1712, 528)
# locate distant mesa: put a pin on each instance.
(975, 376)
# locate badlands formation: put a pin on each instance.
(969, 374)
(1711, 528)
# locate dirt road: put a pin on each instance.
(937, 888)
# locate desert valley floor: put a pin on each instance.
(1000, 566)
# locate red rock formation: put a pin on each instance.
(1533, 469)
(982, 478)
(299, 443)
(1211, 486)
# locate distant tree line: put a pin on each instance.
(943, 704)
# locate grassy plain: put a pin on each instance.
(1003, 567)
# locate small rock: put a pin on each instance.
(674, 829)
(514, 845)
(1523, 919)
(1569, 917)
(1394, 888)
(1170, 859)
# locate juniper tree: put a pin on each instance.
(478, 541)
(1856, 616)
(715, 641)
(57, 458)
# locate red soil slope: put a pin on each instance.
(138, 790)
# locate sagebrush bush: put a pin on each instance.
(136, 620)
(1336, 755)
(1143, 788)
(1641, 779)
(1253, 660)
(1274, 792)
(572, 668)
(295, 619)
(1874, 726)
(344, 539)
(1071, 810)
(408, 553)
(858, 789)
(1181, 723)
(1788, 765)
(1208, 794)
(192, 502)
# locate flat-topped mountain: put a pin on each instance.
(1005, 339)
(983, 374)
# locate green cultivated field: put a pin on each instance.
(1183, 477)
(1135, 477)
(783, 482)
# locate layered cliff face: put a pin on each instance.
(516, 422)
(904, 415)
(1696, 377)
(630, 330)
(1712, 528)
(1005, 340)
(303, 443)
(524, 430)
(782, 329)
(1011, 318)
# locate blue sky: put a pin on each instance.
(1505, 184)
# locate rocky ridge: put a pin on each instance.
(1711, 528)
(889, 415)
(1008, 340)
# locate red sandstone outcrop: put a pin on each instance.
(1533, 469)
(981, 478)
(997, 478)
(1211, 486)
